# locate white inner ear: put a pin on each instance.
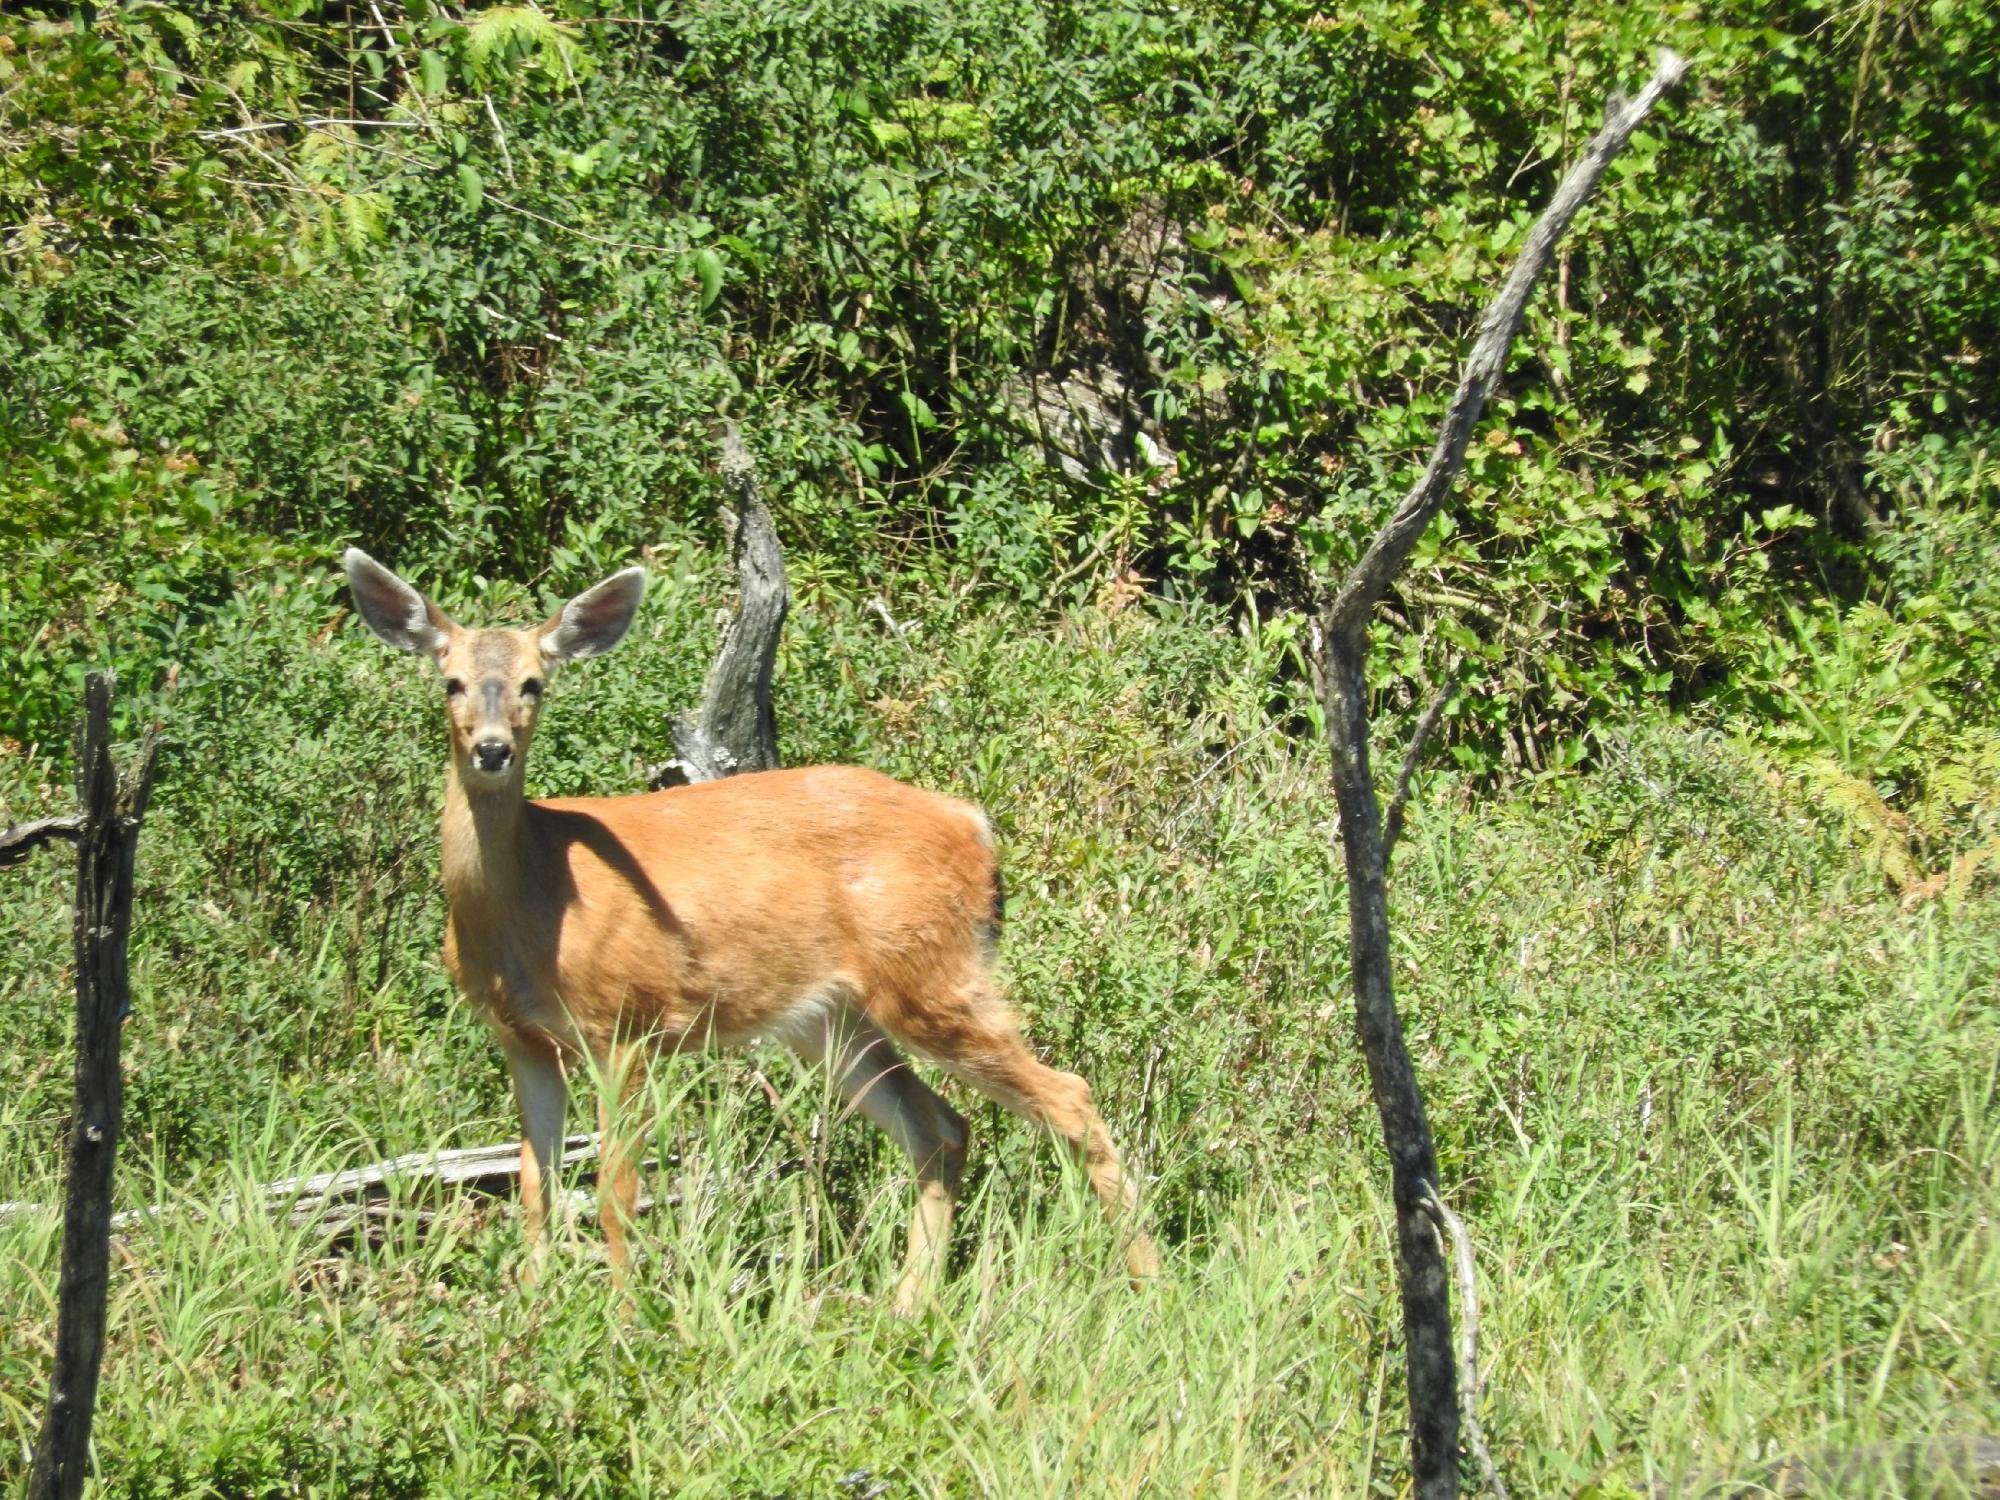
(423, 636)
(577, 633)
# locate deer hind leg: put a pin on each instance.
(981, 1043)
(542, 1093)
(875, 1079)
(623, 1120)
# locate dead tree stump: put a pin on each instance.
(736, 728)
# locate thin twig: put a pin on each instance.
(1453, 1229)
(900, 632)
(264, 125)
(1215, 767)
(506, 156)
(421, 165)
(1392, 821)
(582, 234)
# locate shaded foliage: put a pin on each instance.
(467, 286)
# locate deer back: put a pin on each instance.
(718, 912)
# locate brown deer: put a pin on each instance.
(831, 908)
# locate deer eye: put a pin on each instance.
(453, 686)
(532, 687)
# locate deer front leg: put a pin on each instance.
(622, 1124)
(542, 1093)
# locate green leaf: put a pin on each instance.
(471, 186)
(708, 266)
(431, 76)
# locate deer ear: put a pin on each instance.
(595, 620)
(395, 611)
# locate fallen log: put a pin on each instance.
(491, 1170)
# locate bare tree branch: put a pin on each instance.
(238, 131)
(1370, 577)
(1339, 642)
(19, 840)
(1392, 821)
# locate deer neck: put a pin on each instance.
(483, 833)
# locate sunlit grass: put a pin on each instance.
(1710, 1293)
(1721, 1117)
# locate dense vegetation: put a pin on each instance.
(1070, 338)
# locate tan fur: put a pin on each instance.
(830, 907)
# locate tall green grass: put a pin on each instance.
(1720, 1112)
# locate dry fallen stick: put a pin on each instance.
(358, 1200)
(489, 1169)
(371, 1219)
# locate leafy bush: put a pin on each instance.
(481, 314)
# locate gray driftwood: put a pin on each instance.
(363, 1195)
(107, 839)
(736, 728)
(1340, 649)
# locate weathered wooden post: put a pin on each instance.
(106, 833)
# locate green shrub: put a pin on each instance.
(488, 330)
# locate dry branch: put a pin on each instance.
(371, 1197)
(1453, 1228)
(19, 840)
(1392, 822)
(1340, 646)
(1369, 578)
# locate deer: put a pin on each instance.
(850, 917)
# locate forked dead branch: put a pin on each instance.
(106, 833)
(1340, 649)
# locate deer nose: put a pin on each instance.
(492, 755)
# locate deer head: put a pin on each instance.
(493, 679)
